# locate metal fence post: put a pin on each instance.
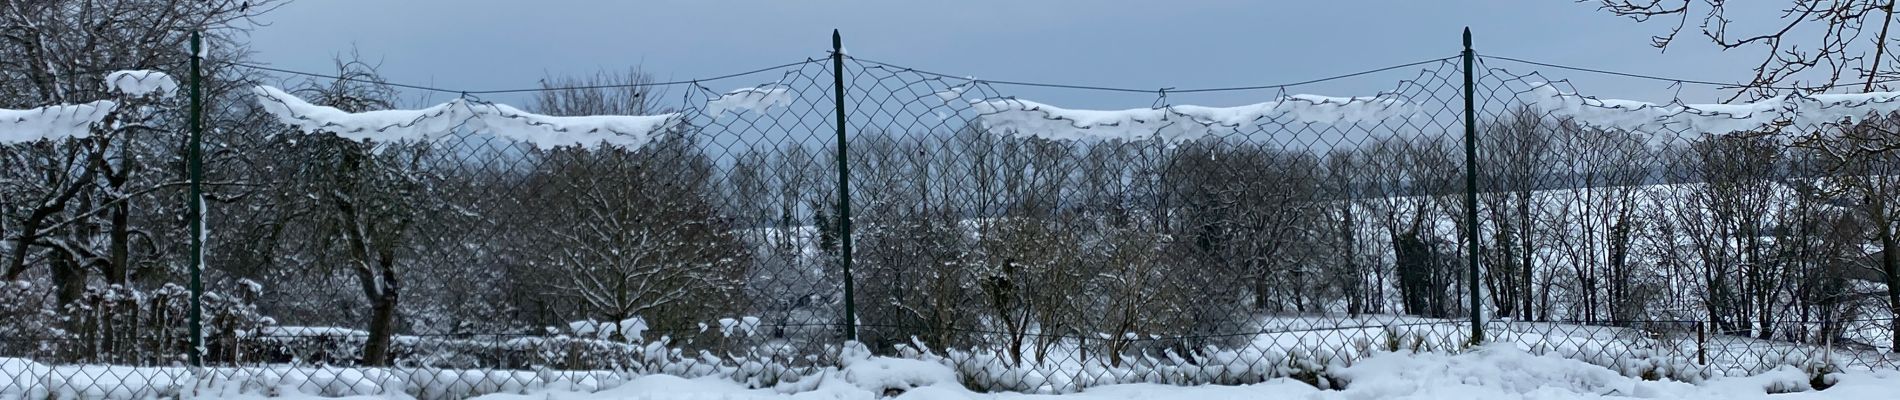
(844, 189)
(195, 162)
(1471, 193)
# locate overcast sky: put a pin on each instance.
(495, 44)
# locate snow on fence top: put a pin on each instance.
(499, 120)
(742, 326)
(752, 98)
(52, 122)
(632, 328)
(1176, 123)
(141, 83)
(64, 121)
(1794, 109)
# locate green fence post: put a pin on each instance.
(844, 189)
(194, 160)
(1471, 193)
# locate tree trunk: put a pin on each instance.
(1411, 269)
(1527, 253)
(1356, 287)
(16, 262)
(1543, 301)
(1262, 290)
(69, 278)
(1890, 262)
(382, 325)
(1618, 296)
(118, 269)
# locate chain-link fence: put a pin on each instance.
(629, 227)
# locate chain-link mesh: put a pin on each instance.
(474, 248)
(1036, 247)
(1686, 240)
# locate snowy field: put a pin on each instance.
(1499, 371)
(1320, 357)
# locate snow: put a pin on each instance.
(1488, 372)
(380, 125)
(19, 379)
(742, 326)
(885, 374)
(142, 83)
(54, 122)
(499, 120)
(631, 328)
(1631, 115)
(93, 382)
(75, 121)
(312, 331)
(749, 99)
(1496, 371)
(204, 242)
(627, 131)
(1026, 118)
(1831, 108)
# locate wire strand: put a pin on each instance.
(1313, 81)
(523, 90)
(1660, 78)
(100, 72)
(1168, 90)
(669, 83)
(341, 78)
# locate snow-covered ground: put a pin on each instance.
(1298, 353)
(1499, 371)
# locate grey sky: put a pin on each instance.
(494, 44)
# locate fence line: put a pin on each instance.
(760, 234)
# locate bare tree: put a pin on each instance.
(1412, 190)
(919, 258)
(1518, 148)
(627, 246)
(1870, 185)
(1822, 36)
(60, 52)
(1598, 221)
(356, 207)
(633, 232)
(1725, 219)
(1345, 206)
